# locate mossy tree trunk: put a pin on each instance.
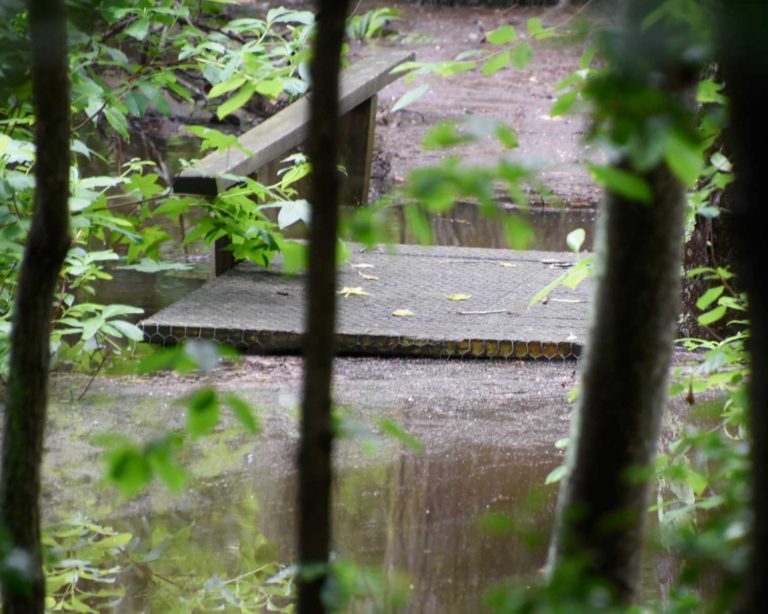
(604, 498)
(744, 55)
(315, 447)
(46, 247)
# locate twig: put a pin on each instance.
(93, 377)
(91, 117)
(483, 313)
(119, 27)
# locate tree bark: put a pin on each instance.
(46, 247)
(744, 54)
(604, 498)
(315, 446)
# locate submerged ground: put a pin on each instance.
(488, 428)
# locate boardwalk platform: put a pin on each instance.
(261, 311)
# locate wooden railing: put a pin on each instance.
(269, 142)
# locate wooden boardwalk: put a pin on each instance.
(261, 311)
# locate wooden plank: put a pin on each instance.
(358, 130)
(287, 129)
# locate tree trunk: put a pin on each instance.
(744, 55)
(316, 431)
(47, 245)
(604, 499)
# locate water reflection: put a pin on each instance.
(466, 226)
(418, 514)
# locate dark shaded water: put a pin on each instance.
(419, 520)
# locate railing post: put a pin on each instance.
(358, 128)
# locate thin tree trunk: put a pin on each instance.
(47, 245)
(316, 432)
(744, 54)
(604, 499)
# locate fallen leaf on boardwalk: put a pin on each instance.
(458, 296)
(549, 118)
(368, 277)
(507, 265)
(346, 291)
(362, 265)
(403, 313)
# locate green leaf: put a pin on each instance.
(452, 67)
(721, 163)
(432, 186)
(232, 104)
(695, 480)
(684, 158)
(160, 456)
(507, 136)
(443, 135)
(496, 62)
(502, 36)
(166, 359)
(522, 56)
(242, 411)
(271, 88)
(518, 231)
(391, 428)
(202, 412)
(138, 29)
(564, 103)
(293, 211)
(409, 97)
(709, 297)
(156, 97)
(623, 183)
(128, 470)
(131, 331)
(712, 316)
(295, 256)
(226, 86)
(557, 474)
(418, 223)
(150, 265)
(575, 239)
(709, 91)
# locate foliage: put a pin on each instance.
(128, 62)
(437, 188)
(507, 48)
(372, 24)
(351, 585)
(131, 466)
(703, 494)
(89, 566)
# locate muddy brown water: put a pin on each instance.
(487, 428)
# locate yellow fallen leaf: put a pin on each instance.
(347, 291)
(403, 313)
(508, 265)
(368, 277)
(549, 118)
(458, 296)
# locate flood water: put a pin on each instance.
(420, 519)
(416, 518)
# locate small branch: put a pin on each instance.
(90, 118)
(119, 27)
(484, 313)
(95, 373)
